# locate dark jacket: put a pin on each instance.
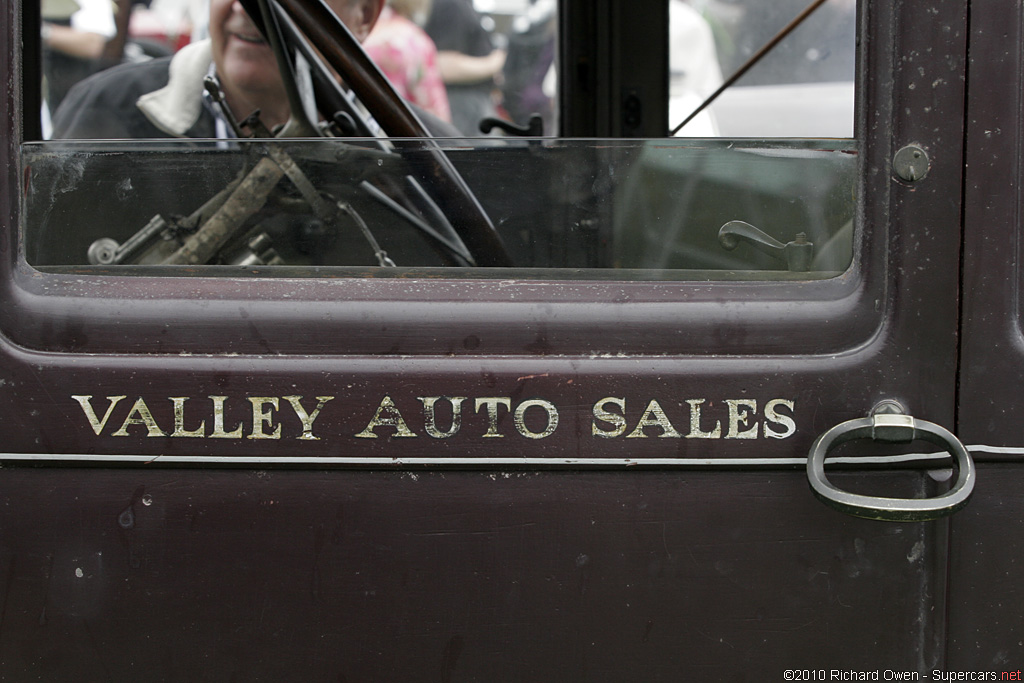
(162, 98)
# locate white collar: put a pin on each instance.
(176, 107)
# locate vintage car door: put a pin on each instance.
(985, 627)
(563, 470)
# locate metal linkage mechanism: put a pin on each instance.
(200, 237)
(341, 51)
(106, 251)
(797, 254)
(162, 236)
(257, 252)
(225, 220)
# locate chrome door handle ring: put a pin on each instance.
(891, 429)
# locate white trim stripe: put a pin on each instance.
(458, 462)
(1002, 450)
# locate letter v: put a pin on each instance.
(90, 414)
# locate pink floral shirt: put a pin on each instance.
(408, 57)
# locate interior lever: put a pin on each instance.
(534, 129)
(797, 254)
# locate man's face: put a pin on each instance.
(245, 62)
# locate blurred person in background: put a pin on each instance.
(530, 79)
(470, 65)
(407, 55)
(694, 71)
(74, 35)
(167, 97)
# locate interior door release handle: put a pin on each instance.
(891, 429)
(797, 254)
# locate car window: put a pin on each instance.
(625, 209)
(739, 199)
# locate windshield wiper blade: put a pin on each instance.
(754, 59)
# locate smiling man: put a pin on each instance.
(166, 97)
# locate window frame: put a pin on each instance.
(108, 312)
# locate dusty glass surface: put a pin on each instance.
(624, 209)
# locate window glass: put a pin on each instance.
(458, 60)
(803, 87)
(705, 209)
(744, 200)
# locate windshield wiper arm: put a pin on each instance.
(754, 59)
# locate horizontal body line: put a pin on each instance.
(624, 463)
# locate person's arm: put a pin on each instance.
(81, 44)
(457, 68)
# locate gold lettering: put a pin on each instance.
(492, 403)
(740, 418)
(773, 416)
(695, 430)
(430, 418)
(654, 416)
(552, 418)
(144, 418)
(615, 419)
(394, 419)
(305, 418)
(261, 415)
(218, 421)
(90, 414)
(179, 420)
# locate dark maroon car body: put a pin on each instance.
(232, 532)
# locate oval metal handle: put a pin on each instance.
(892, 429)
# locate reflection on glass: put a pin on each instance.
(801, 88)
(528, 32)
(457, 60)
(569, 208)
